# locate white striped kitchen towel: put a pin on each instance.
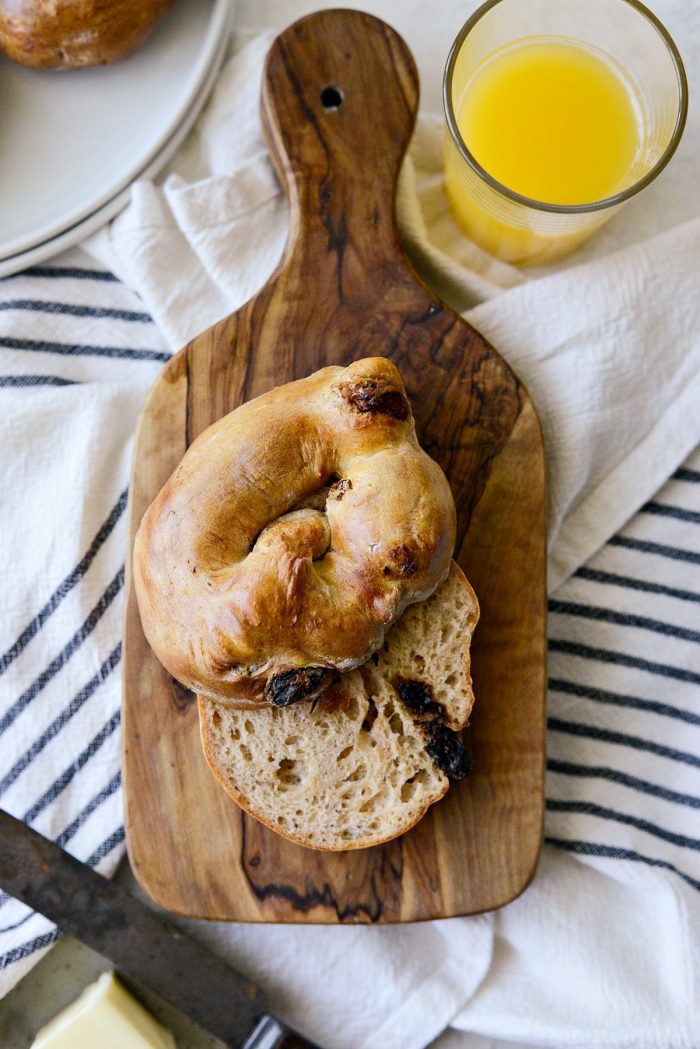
(77, 353)
(624, 720)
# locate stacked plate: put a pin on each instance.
(72, 142)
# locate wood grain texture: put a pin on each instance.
(344, 290)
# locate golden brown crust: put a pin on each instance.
(65, 34)
(236, 585)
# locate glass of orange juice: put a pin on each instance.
(558, 111)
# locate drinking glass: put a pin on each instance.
(625, 34)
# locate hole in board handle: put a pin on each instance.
(331, 97)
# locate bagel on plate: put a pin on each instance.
(67, 34)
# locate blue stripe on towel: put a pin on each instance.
(69, 309)
(613, 579)
(107, 791)
(25, 381)
(568, 768)
(622, 739)
(664, 510)
(65, 654)
(25, 949)
(79, 349)
(607, 615)
(106, 847)
(67, 584)
(645, 546)
(683, 474)
(599, 695)
(588, 808)
(65, 273)
(611, 852)
(73, 769)
(78, 701)
(604, 655)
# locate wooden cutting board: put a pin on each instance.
(339, 100)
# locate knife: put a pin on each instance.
(143, 945)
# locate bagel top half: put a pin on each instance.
(291, 536)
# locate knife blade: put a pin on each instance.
(142, 944)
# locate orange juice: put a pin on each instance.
(552, 120)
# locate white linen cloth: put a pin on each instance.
(602, 949)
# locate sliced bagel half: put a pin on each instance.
(361, 764)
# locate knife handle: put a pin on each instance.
(271, 1034)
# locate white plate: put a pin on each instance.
(72, 141)
(91, 223)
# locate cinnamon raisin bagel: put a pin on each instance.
(293, 533)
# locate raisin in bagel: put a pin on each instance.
(292, 535)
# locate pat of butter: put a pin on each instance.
(104, 1015)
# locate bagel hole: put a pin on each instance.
(315, 500)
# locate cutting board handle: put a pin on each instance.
(338, 158)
